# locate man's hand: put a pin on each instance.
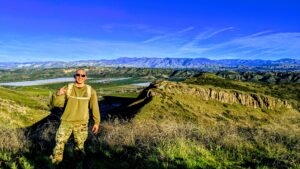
(61, 91)
(95, 129)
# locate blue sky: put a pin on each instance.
(32, 30)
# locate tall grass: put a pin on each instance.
(187, 145)
(167, 144)
(13, 144)
(12, 140)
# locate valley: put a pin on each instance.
(158, 118)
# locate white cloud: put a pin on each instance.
(258, 45)
(168, 35)
(202, 36)
(183, 43)
(133, 27)
(260, 33)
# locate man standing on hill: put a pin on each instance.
(80, 98)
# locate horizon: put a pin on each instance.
(146, 58)
(41, 31)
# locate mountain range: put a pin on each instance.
(199, 63)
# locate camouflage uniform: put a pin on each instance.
(80, 132)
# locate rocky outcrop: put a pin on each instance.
(222, 95)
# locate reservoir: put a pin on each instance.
(54, 80)
(144, 84)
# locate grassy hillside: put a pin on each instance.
(173, 128)
(167, 126)
(197, 133)
(22, 108)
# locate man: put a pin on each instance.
(79, 99)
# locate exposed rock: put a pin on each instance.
(222, 95)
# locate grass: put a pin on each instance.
(13, 115)
(13, 143)
(21, 98)
(235, 136)
(185, 145)
(22, 108)
(174, 129)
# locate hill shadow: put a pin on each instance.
(110, 103)
(42, 133)
(124, 108)
(121, 108)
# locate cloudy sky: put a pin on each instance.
(44, 30)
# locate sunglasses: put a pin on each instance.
(79, 75)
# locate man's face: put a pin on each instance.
(80, 76)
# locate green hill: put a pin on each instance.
(286, 91)
(195, 126)
(205, 121)
(22, 108)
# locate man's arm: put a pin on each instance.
(95, 111)
(62, 91)
(58, 98)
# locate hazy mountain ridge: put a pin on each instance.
(200, 63)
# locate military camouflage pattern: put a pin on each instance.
(80, 132)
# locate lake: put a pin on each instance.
(54, 80)
(144, 84)
(110, 79)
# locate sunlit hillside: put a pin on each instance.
(195, 131)
(22, 108)
(205, 121)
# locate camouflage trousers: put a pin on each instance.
(80, 132)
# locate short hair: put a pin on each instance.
(82, 70)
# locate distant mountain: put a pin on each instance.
(199, 63)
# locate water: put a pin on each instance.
(144, 84)
(55, 80)
(110, 79)
(38, 82)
